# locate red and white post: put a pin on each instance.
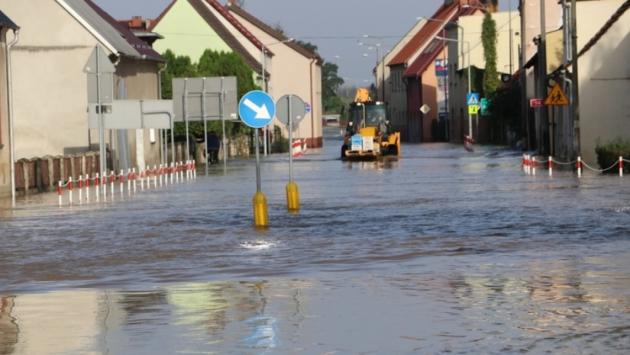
(579, 166)
(60, 192)
(70, 189)
(533, 163)
(97, 187)
(80, 189)
(550, 165)
(620, 166)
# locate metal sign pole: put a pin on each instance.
(257, 147)
(205, 122)
(186, 116)
(223, 138)
(101, 123)
(290, 139)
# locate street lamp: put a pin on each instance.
(470, 133)
(377, 46)
(263, 61)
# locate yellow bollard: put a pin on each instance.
(293, 197)
(261, 217)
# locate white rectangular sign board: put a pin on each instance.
(133, 114)
(191, 91)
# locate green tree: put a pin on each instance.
(330, 84)
(489, 41)
(211, 64)
(176, 67)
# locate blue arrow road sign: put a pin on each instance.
(472, 99)
(256, 109)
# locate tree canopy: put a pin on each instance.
(489, 41)
(211, 64)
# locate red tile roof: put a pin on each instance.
(446, 13)
(425, 59)
(272, 32)
(239, 26)
(139, 45)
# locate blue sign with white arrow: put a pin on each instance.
(473, 99)
(256, 109)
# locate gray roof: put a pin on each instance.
(5, 21)
(120, 38)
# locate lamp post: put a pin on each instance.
(379, 59)
(263, 61)
(470, 133)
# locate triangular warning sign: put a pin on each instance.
(557, 97)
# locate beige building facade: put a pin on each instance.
(293, 70)
(7, 36)
(50, 85)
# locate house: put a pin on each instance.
(603, 29)
(471, 54)
(382, 73)
(293, 70)
(190, 27)
(6, 25)
(414, 82)
(50, 85)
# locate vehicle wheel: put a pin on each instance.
(392, 150)
(343, 151)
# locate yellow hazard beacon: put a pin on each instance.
(368, 135)
(557, 97)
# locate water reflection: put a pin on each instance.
(490, 307)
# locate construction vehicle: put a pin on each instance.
(368, 136)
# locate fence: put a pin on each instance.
(530, 165)
(109, 185)
(40, 174)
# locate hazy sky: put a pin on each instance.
(335, 26)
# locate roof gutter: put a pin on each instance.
(16, 38)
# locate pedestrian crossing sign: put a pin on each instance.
(473, 99)
(557, 97)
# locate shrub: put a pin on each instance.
(609, 153)
(280, 143)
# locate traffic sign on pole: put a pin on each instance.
(298, 110)
(557, 97)
(472, 99)
(256, 109)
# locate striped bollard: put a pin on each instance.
(112, 180)
(620, 166)
(172, 173)
(80, 189)
(181, 171)
(155, 176)
(533, 163)
(104, 184)
(176, 173)
(528, 166)
(524, 163)
(579, 166)
(167, 174)
(70, 189)
(142, 172)
(97, 187)
(550, 163)
(128, 182)
(88, 184)
(194, 167)
(161, 174)
(135, 185)
(121, 180)
(60, 192)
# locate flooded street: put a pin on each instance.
(438, 251)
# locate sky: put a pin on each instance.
(335, 26)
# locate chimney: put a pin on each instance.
(136, 22)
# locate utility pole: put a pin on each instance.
(542, 63)
(576, 84)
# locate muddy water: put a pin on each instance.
(439, 251)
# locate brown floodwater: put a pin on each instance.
(438, 251)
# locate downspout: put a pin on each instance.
(159, 96)
(16, 38)
(313, 104)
